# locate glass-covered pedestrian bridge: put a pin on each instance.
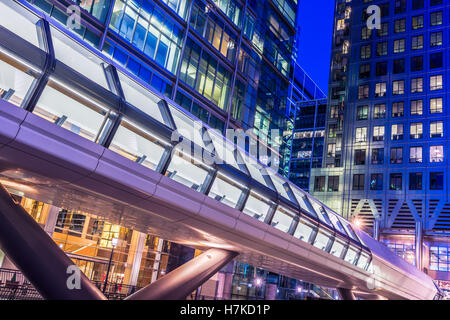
(59, 78)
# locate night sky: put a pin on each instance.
(316, 30)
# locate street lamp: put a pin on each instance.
(114, 242)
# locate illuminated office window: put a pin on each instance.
(397, 132)
(436, 105)
(436, 129)
(437, 154)
(439, 258)
(149, 30)
(361, 134)
(436, 82)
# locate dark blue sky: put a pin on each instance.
(316, 30)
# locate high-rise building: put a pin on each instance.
(386, 146)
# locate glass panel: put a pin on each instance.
(14, 81)
(137, 145)
(279, 185)
(255, 169)
(351, 255)
(226, 191)
(303, 201)
(19, 21)
(305, 230)
(282, 219)
(187, 127)
(78, 58)
(322, 240)
(256, 207)
(338, 248)
(60, 105)
(321, 213)
(141, 98)
(349, 230)
(187, 171)
(224, 149)
(363, 261)
(336, 222)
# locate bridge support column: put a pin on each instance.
(179, 283)
(346, 294)
(419, 245)
(38, 257)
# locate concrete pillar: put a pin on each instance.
(181, 282)
(140, 242)
(38, 257)
(346, 294)
(419, 245)
(52, 218)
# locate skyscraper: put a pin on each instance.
(387, 124)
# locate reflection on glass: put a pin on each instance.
(14, 82)
(187, 127)
(78, 58)
(321, 213)
(279, 185)
(363, 261)
(225, 191)
(256, 207)
(224, 149)
(255, 169)
(61, 106)
(137, 145)
(350, 230)
(303, 201)
(322, 240)
(305, 231)
(186, 171)
(337, 249)
(337, 223)
(141, 98)
(352, 254)
(282, 219)
(18, 21)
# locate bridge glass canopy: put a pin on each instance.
(93, 97)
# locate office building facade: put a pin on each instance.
(227, 62)
(308, 106)
(387, 126)
(308, 141)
